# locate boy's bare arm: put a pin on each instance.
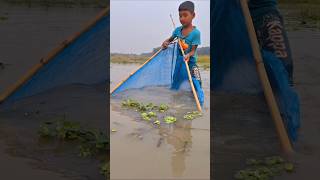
(191, 53)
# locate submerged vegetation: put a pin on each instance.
(154, 113)
(141, 107)
(92, 143)
(3, 18)
(192, 115)
(264, 169)
(301, 14)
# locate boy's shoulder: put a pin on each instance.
(178, 29)
(176, 32)
(196, 30)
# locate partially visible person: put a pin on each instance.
(271, 33)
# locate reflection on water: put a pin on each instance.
(166, 151)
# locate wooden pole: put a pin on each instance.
(190, 79)
(50, 56)
(188, 70)
(272, 104)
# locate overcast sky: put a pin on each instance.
(137, 26)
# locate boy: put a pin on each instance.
(190, 35)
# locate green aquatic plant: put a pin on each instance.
(46, 131)
(152, 114)
(157, 122)
(92, 141)
(141, 107)
(130, 103)
(150, 106)
(264, 169)
(101, 141)
(192, 115)
(163, 108)
(67, 130)
(105, 169)
(145, 116)
(273, 160)
(3, 18)
(85, 151)
(170, 119)
(148, 116)
(148, 111)
(289, 167)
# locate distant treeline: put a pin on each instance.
(201, 51)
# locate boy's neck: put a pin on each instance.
(188, 26)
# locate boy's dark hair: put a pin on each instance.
(187, 6)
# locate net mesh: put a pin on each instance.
(85, 61)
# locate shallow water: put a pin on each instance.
(243, 127)
(21, 121)
(31, 33)
(141, 150)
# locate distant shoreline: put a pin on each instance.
(203, 60)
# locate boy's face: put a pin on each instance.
(186, 17)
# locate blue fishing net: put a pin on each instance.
(234, 69)
(166, 69)
(85, 61)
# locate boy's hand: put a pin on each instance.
(187, 57)
(165, 44)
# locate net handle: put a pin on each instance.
(272, 104)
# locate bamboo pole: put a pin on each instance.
(9, 91)
(188, 70)
(272, 104)
(132, 73)
(190, 79)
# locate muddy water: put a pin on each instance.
(141, 150)
(27, 35)
(244, 129)
(31, 33)
(21, 142)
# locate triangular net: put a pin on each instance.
(166, 69)
(84, 61)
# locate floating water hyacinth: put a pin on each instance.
(141, 107)
(170, 119)
(145, 116)
(90, 142)
(264, 169)
(152, 114)
(130, 103)
(105, 169)
(163, 108)
(192, 115)
(157, 122)
(147, 111)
